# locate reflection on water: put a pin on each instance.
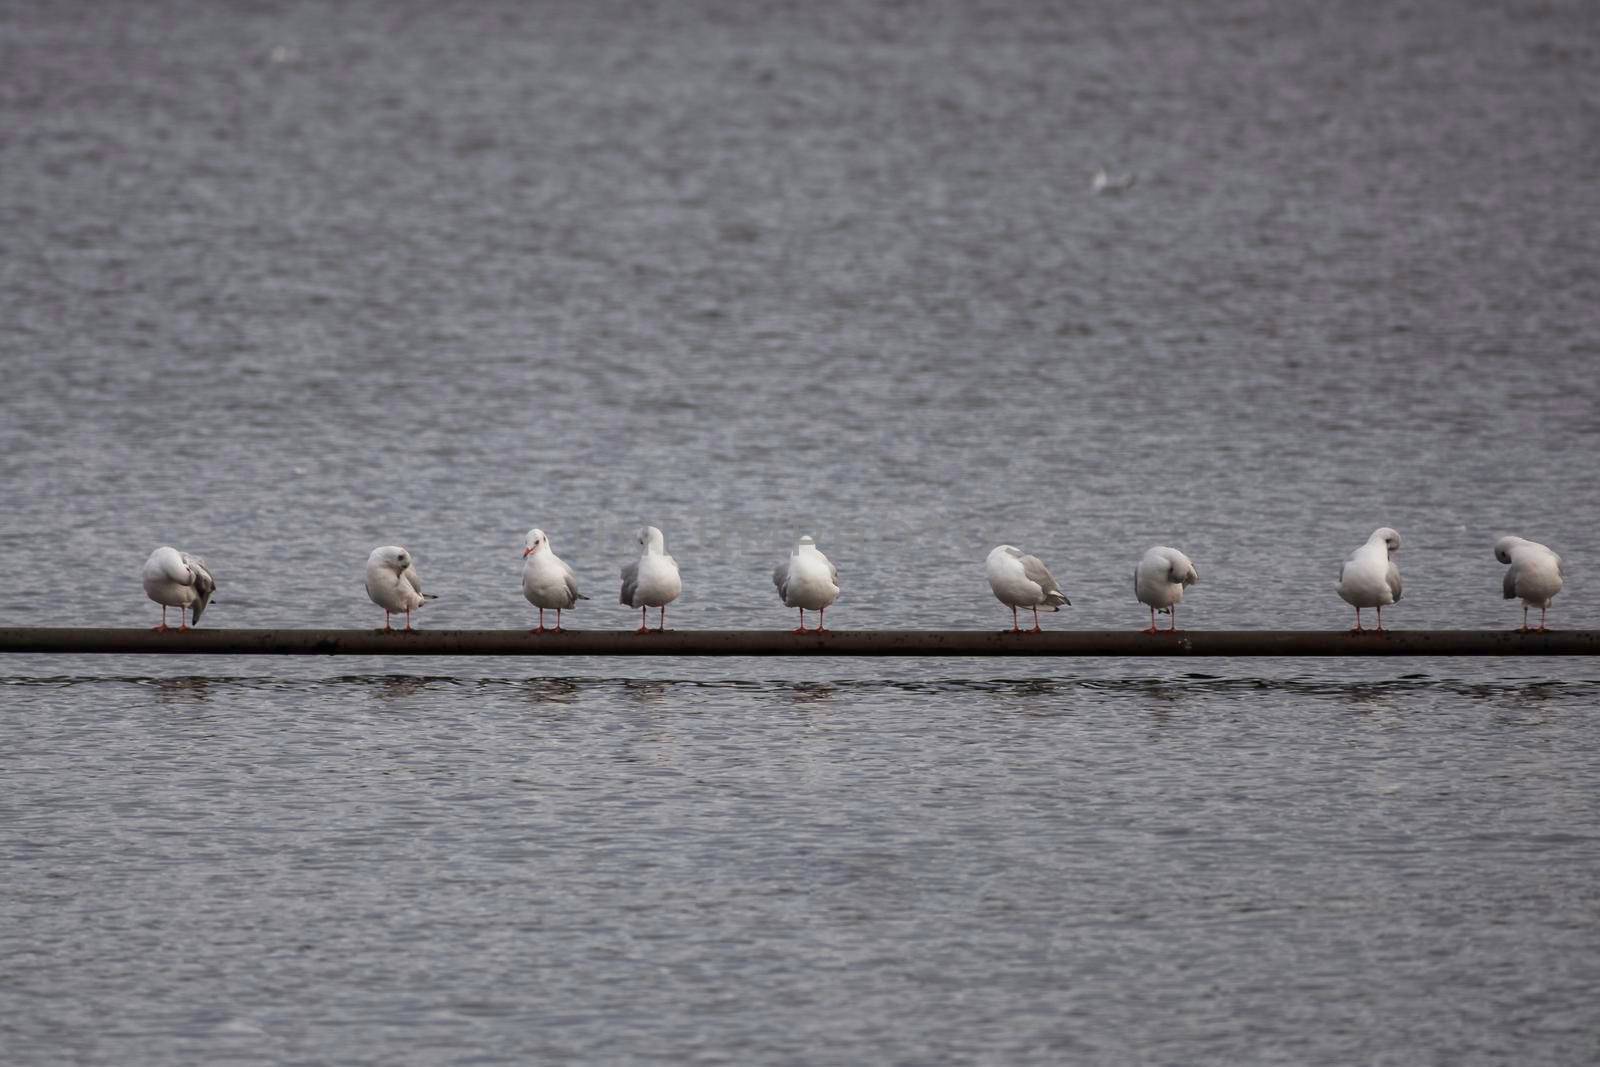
(566, 689)
(193, 690)
(552, 690)
(665, 839)
(812, 692)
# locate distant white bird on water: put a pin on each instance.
(1103, 183)
(176, 579)
(652, 581)
(1536, 575)
(1369, 578)
(393, 583)
(547, 581)
(807, 580)
(1159, 581)
(1022, 581)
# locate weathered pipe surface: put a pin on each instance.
(937, 643)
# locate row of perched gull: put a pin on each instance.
(807, 581)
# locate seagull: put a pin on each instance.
(1535, 575)
(393, 584)
(1022, 581)
(652, 581)
(1159, 581)
(807, 580)
(547, 581)
(1369, 578)
(176, 579)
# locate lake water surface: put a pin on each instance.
(283, 282)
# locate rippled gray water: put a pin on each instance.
(281, 282)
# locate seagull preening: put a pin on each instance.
(547, 581)
(1536, 575)
(652, 581)
(807, 580)
(1021, 581)
(176, 579)
(1159, 581)
(393, 584)
(1369, 578)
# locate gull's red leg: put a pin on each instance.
(1035, 619)
(1014, 627)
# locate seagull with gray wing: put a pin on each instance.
(807, 580)
(393, 583)
(1159, 581)
(1022, 581)
(176, 579)
(1535, 575)
(651, 581)
(547, 581)
(1369, 578)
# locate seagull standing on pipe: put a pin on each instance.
(547, 581)
(176, 579)
(807, 580)
(651, 581)
(1535, 575)
(393, 583)
(1369, 578)
(1159, 581)
(1022, 581)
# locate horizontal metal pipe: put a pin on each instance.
(937, 643)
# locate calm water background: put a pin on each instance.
(282, 282)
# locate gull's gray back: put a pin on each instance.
(1034, 570)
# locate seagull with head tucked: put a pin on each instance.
(393, 583)
(1022, 581)
(652, 580)
(1536, 575)
(1369, 578)
(176, 579)
(1159, 581)
(807, 580)
(547, 581)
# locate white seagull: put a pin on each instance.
(652, 581)
(1159, 581)
(1021, 581)
(176, 579)
(1536, 575)
(1369, 578)
(393, 584)
(547, 581)
(807, 580)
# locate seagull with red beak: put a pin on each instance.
(547, 581)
